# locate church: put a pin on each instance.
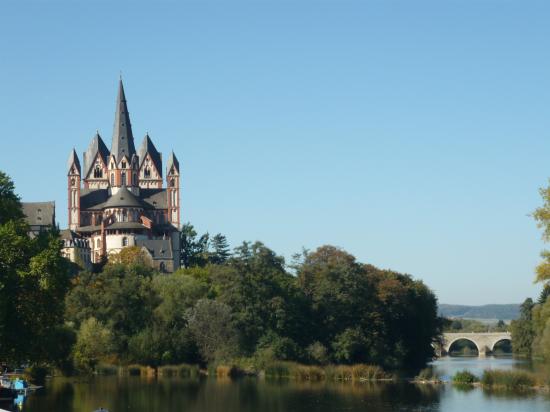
(117, 197)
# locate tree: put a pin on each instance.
(121, 297)
(34, 279)
(522, 329)
(133, 255)
(94, 343)
(194, 251)
(211, 324)
(220, 252)
(10, 204)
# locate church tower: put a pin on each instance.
(123, 165)
(73, 189)
(173, 190)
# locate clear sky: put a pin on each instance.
(414, 134)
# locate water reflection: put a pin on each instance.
(247, 395)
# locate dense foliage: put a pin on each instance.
(531, 332)
(334, 309)
(34, 279)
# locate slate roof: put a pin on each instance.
(123, 198)
(73, 159)
(93, 199)
(147, 146)
(157, 198)
(126, 225)
(123, 140)
(172, 161)
(39, 213)
(159, 249)
(96, 146)
(98, 199)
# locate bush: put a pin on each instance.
(508, 379)
(465, 378)
(317, 353)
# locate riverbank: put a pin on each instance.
(272, 370)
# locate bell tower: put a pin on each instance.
(173, 190)
(73, 189)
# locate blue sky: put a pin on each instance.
(415, 135)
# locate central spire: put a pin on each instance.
(123, 140)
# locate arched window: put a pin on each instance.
(98, 172)
(124, 215)
(147, 172)
(134, 181)
(172, 182)
(123, 175)
(98, 243)
(112, 179)
(123, 164)
(124, 241)
(162, 267)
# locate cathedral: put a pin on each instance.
(117, 197)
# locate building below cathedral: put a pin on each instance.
(117, 198)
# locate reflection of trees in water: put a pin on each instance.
(243, 395)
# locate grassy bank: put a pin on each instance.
(353, 373)
(500, 379)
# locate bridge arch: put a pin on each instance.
(504, 339)
(465, 337)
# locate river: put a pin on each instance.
(244, 395)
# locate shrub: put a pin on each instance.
(317, 353)
(183, 370)
(465, 378)
(508, 379)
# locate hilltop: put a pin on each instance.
(493, 311)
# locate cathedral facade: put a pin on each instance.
(117, 197)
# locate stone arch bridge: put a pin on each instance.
(484, 342)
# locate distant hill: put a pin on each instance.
(504, 312)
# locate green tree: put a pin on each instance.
(212, 326)
(194, 250)
(34, 279)
(522, 329)
(94, 343)
(220, 250)
(121, 297)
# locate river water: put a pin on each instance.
(247, 395)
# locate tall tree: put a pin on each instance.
(220, 249)
(522, 329)
(194, 250)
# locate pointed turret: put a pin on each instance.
(172, 162)
(96, 147)
(73, 162)
(123, 140)
(148, 148)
